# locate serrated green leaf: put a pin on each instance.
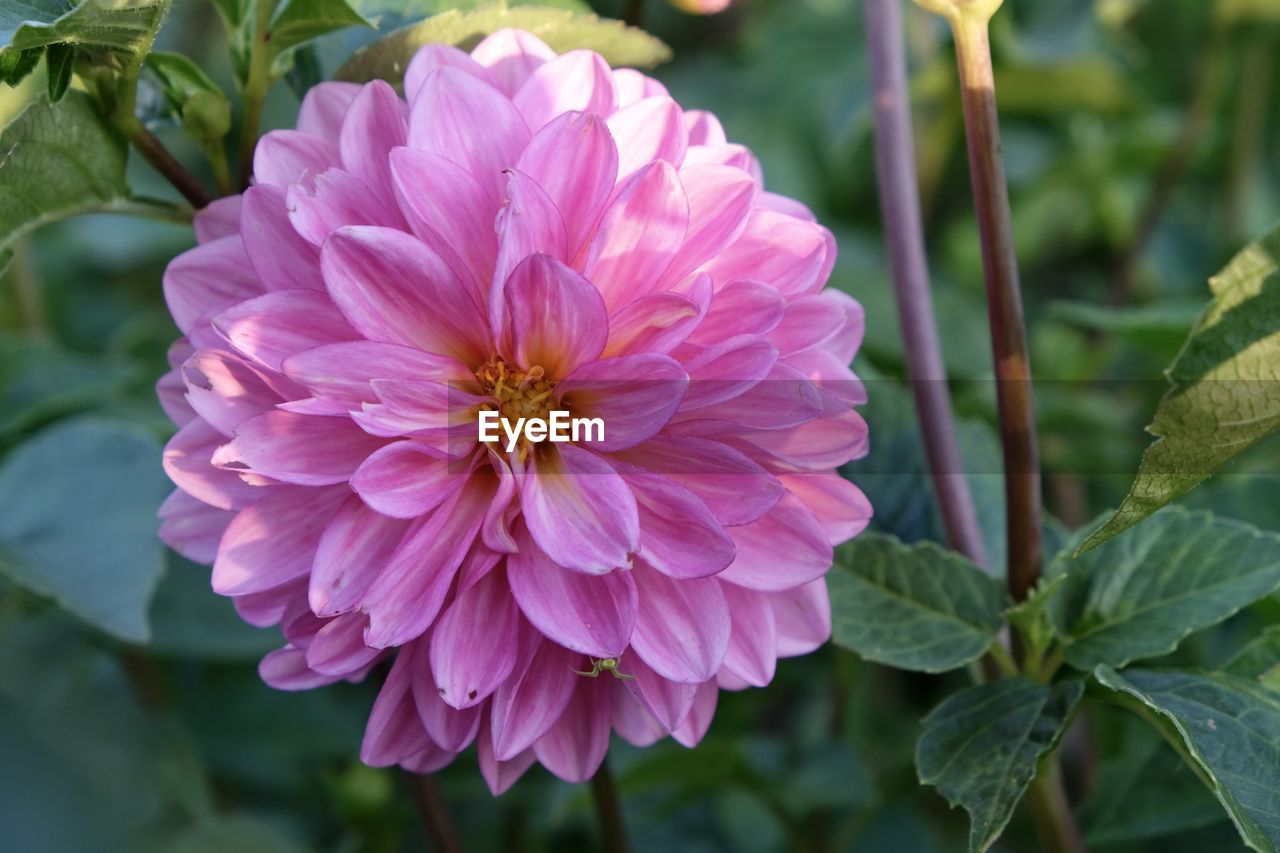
(563, 30)
(79, 523)
(1230, 727)
(15, 65)
(101, 29)
(1139, 595)
(916, 607)
(58, 160)
(980, 747)
(297, 22)
(1225, 394)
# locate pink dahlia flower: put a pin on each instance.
(525, 233)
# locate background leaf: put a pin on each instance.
(1140, 594)
(60, 160)
(79, 523)
(122, 29)
(1225, 396)
(297, 22)
(913, 607)
(1231, 729)
(980, 747)
(563, 30)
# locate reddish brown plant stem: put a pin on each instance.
(604, 792)
(1004, 303)
(434, 813)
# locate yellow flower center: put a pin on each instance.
(517, 394)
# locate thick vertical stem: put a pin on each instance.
(1004, 302)
(154, 152)
(613, 832)
(436, 819)
(256, 85)
(1047, 800)
(904, 236)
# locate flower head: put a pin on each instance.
(525, 233)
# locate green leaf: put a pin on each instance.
(59, 59)
(1259, 657)
(1230, 728)
(1139, 595)
(916, 607)
(61, 160)
(297, 22)
(189, 621)
(40, 380)
(563, 30)
(980, 747)
(197, 101)
(80, 524)
(1144, 790)
(103, 30)
(1223, 398)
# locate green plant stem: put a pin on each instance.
(1047, 800)
(1003, 659)
(434, 812)
(1004, 298)
(256, 85)
(604, 792)
(216, 153)
(154, 152)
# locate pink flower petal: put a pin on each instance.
(282, 258)
(392, 288)
(299, 449)
(810, 321)
(187, 462)
(192, 528)
(669, 702)
(406, 597)
(432, 56)
(720, 201)
(452, 729)
(219, 218)
(339, 649)
(634, 86)
(840, 506)
(500, 775)
(449, 210)
(740, 307)
(704, 128)
(634, 396)
(284, 157)
(648, 130)
(679, 536)
(735, 489)
(286, 669)
(682, 626)
(323, 108)
(354, 547)
(529, 223)
(224, 390)
(575, 160)
(343, 371)
(656, 323)
(825, 443)
(695, 726)
(554, 318)
(640, 233)
(577, 80)
(335, 200)
(535, 695)
(207, 279)
(473, 644)
(790, 254)
(273, 541)
(511, 57)
(394, 731)
(579, 511)
(273, 327)
(591, 614)
(785, 548)
(574, 747)
(459, 117)
(726, 370)
(803, 618)
(406, 479)
(752, 653)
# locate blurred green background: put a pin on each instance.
(1141, 141)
